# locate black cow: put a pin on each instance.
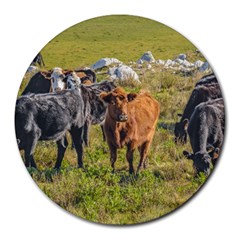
(38, 60)
(50, 116)
(201, 93)
(39, 83)
(209, 79)
(206, 133)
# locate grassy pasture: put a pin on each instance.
(123, 37)
(95, 193)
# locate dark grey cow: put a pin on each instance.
(208, 79)
(206, 133)
(50, 116)
(201, 93)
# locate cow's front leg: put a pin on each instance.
(76, 134)
(113, 156)
(129, 156)
(62, 146)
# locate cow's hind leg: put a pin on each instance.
(31, 142)
(62, 146)
(143, 150)
(76, 134)
(129, 156)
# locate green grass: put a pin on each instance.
(123, 37)
(95, 193)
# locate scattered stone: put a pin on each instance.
(179, 61)
(187, 64)
(160, 62)
(123, 72)
(149, 66)
(198, 64)
(182, 56)
(205, 67)
(169, 63)
(104, 62)
(146, 57)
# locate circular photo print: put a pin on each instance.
(119, 120)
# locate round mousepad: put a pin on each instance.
(119, 120)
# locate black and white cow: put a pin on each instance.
(206, 133)
(67, 79)
(49, 116)
(201, 93)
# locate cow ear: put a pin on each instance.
(188, 155)
(185, 123)
(106, 97)
(131, 96)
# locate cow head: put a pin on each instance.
(57, 80)
(201, 161)
(98, 109)
(73, 81)
(180, 131)
(117, 101)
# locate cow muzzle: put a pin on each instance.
(58, 89)
(123, 118)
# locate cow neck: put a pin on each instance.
(86, 99)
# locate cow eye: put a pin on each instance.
(121, 98)
(113, 103)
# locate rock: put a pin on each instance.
(198, 64)
(160, 62)
(179, 61)
(182, 56)
(205, 67)
(140, 61)
(169, 63)
(123, 72)
(149, 66)
(187, 64)
(104, 62)
(146, 57)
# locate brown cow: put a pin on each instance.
(130, 121)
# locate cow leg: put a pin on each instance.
(103, 133)
(144, 149)
(113, 156)
(129, 156)
(76, 134)
(62, 146)
(32, 139)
